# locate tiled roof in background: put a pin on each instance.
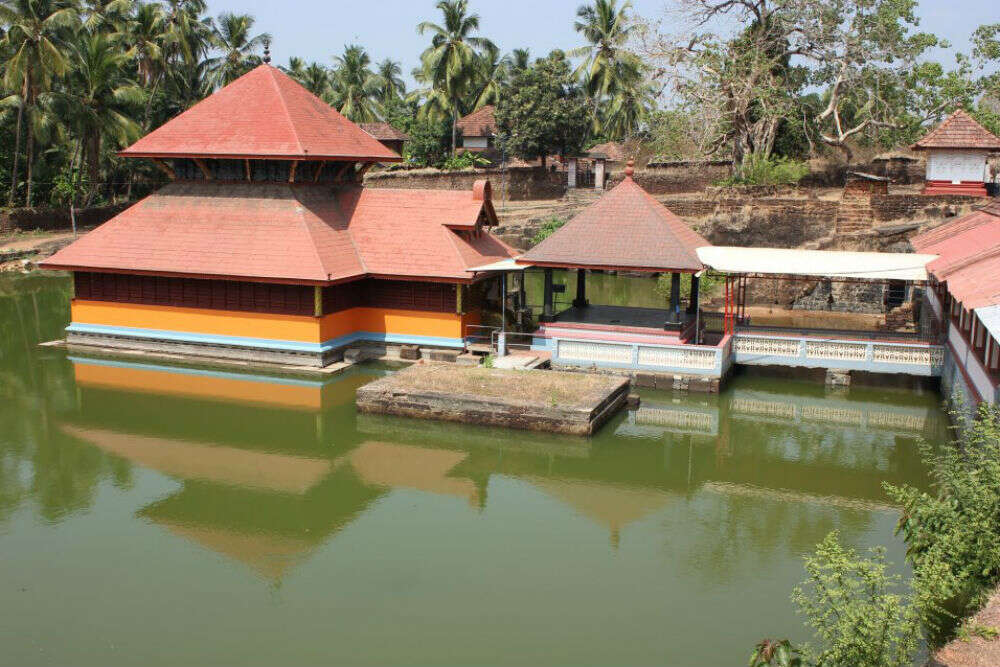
(959, 130)
(263, 114)
(384, 132)
(479, 123)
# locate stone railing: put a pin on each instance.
(877, 356)
(689, 359)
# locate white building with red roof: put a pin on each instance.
(957, 151)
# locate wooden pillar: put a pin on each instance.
(674, 317)
(317, 301)
(599, 174)
(581, 289)
(695, 294)
(547, 304)
(459, 306)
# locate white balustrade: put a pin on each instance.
(676, 357)
(836, 350)
(594, 352)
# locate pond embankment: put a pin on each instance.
(559, 402)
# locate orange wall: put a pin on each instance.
(297, 328)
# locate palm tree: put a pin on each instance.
(355, 85)
(33, 36)
(107, 15)
(450, 61)
(231, 36)
(607, 65)
(316, 80)
(391, 85)
(492, 73)
(146, 36)
(627, 110)
(99, 100)
(190, 34)
(520, 60)
(296, 68)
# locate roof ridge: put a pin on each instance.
(350, 234)
(284, 105)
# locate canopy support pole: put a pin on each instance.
(581, 289)
(547, 304)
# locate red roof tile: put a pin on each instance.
(299, 233)
(626, 228)
(969, 256)
(384, 132)
(479, 123)
(263, 114)
(612, 150)
(959, 130)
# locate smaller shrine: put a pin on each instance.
(957, 151)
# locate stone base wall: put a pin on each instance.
(520, 183)
(676, 177)
(31, 219)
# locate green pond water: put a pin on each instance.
(167, 515)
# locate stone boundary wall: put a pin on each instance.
(676, 177)
(521, 182)
(920, 207)
(30, 219)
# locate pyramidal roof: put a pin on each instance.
(262, 114)
(959, 130)
(625, 229)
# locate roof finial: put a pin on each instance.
(629, 168)
(267, 51)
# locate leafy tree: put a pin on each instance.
(34, 37)
(852, 605)
(391, 86)
(545, 111)
(429, 141)
(953, 534)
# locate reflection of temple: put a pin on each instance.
(271, 468)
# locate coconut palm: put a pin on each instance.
(391, 85)
(296, 68)
(99, 100)
(450, 61)
(606, 66)
(231, 36)
(520, 60)
(107, 15)
(34, 31)
(190, 33)
(492, 73)
(355, 86)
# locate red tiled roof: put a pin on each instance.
(969, 256)
(959, 130)
(626, 228)
(263, 114)
(612, 150)
(479, 123)
(292, 233)
(384, 132)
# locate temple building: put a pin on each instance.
(957, 151)
(265, 246)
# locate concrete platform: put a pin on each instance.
(554, 401)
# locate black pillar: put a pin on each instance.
(547, 305)
(695, 285)
(674, 316)
(581, 289)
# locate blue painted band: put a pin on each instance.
(263, 343)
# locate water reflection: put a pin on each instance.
(689, 513)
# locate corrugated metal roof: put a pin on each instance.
(816, 263)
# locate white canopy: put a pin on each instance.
(990, 317)
(509, 264)
(818, 263)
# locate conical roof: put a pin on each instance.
(959, 130)
(625, 229)
(263, 114)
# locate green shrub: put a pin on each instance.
(851, 606)
(759, 170)
(546, 230)
(953, 534)
(464, 160)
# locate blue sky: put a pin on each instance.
(318, 29)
